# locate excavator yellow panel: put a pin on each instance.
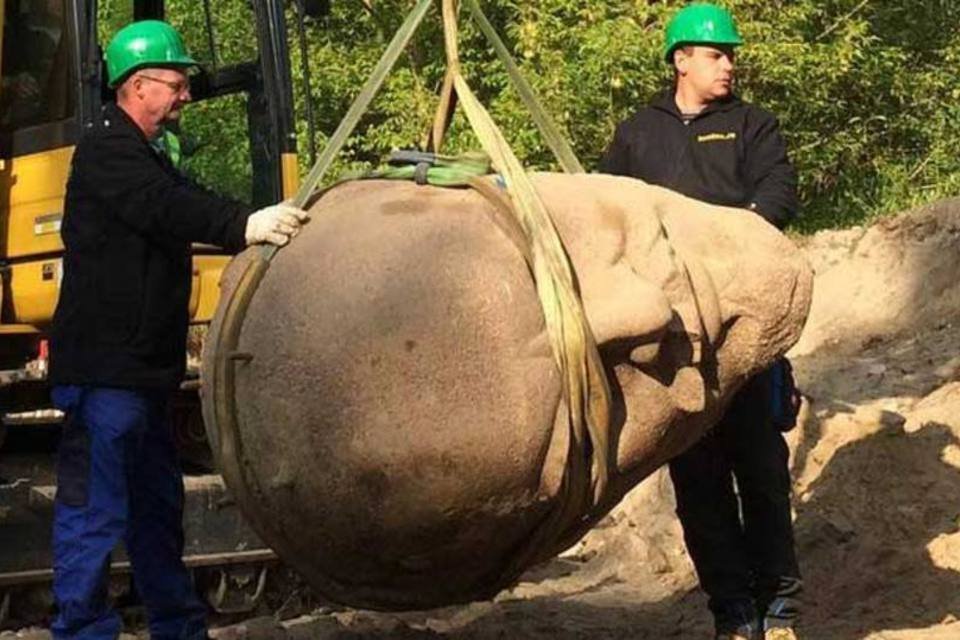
(33, 211)
(205, 290)
(33, 288)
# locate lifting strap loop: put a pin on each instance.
(585, 387)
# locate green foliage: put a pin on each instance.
(866, 91)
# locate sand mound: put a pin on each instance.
(899, 274)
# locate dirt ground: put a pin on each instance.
(876, 464)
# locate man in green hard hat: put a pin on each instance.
(118, 345)
(698, 138)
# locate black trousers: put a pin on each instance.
(741, 539)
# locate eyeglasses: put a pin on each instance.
(177, 86)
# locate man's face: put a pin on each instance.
(708, 70)
(162, 92)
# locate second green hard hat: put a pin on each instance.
(147, 43)
(700, 23)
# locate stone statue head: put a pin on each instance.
(401, 417)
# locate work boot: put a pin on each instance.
(780, 633)
(781, 613)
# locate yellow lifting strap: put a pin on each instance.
(586, 391)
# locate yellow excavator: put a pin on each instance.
(52, 86)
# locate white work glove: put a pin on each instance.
(275, 224)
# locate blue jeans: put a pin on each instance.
(119, 479)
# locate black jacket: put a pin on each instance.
(129, 219)
(730, 154)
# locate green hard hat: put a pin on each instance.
(147, 43)
(700, 23)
